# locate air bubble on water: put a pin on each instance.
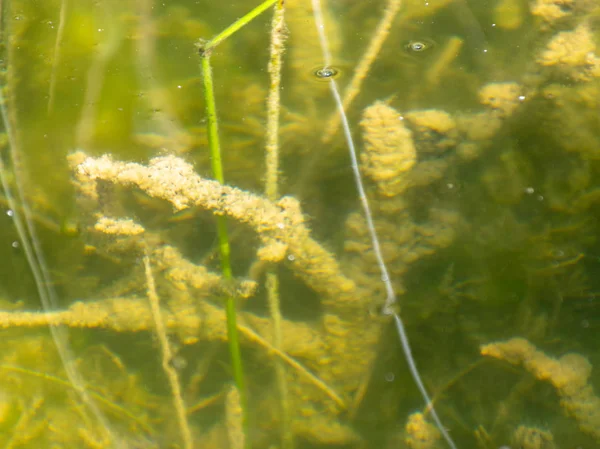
(325, 73)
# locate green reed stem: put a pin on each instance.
(235, 26)
(217, 169)
(224, 249)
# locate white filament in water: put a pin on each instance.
(385, 277)
(39, 269)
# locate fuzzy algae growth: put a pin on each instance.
(480, 164)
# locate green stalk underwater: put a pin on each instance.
(237, 25)
(224, 249)
(217, 169)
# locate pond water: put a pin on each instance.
(187, 260)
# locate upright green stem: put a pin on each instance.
(211, 118)
(224, 249)
(217, 169)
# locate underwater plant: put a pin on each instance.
(372, 225)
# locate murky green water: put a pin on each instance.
(477, 124)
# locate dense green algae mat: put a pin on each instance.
(479, 137)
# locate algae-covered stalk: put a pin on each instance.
(167, 356)
(272, 191)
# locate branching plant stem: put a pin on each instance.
(235, 26)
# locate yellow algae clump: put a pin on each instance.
(502, 97)
(432, 120)
(477, 128)
(182, 273)
(389, 148)
(435, 130)
(420, 434)
(234, 419)
(532, 438)
(118, 226)
(551, 10)
(172, 179)
(569, 375)
(573, 53)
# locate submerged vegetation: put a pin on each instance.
(186, 260)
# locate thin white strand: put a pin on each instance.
(391, 295)
(62, 18)
(318, 15)
(37, 264)
(417, 378)
(385, 277)
(39, 269)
